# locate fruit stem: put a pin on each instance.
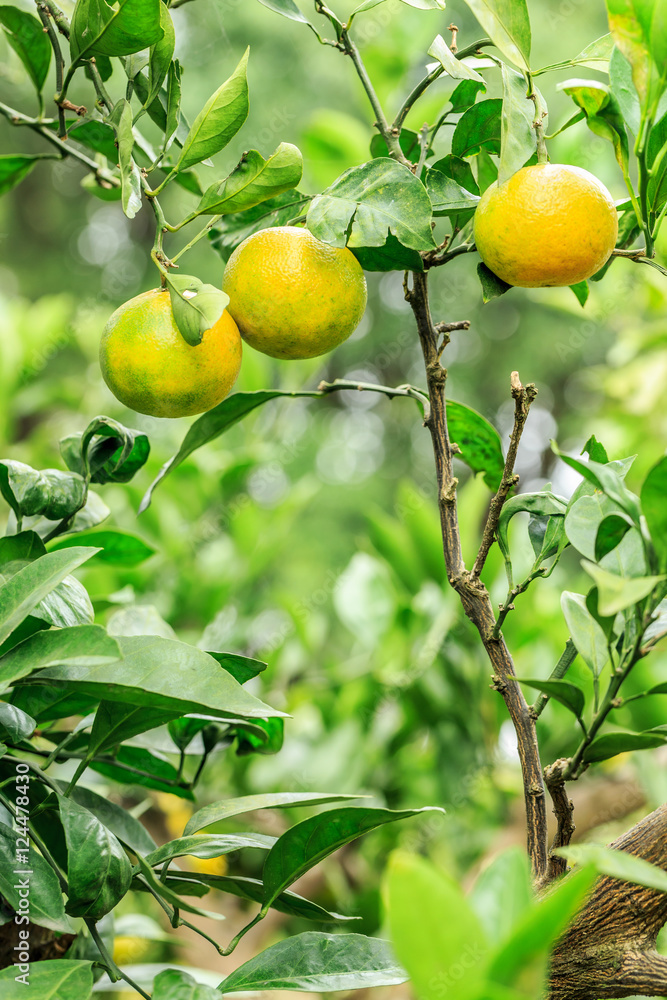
(195, 239)
(538, 124)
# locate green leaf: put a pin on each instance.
(586, 634)
(51, 493)
(14, 167)
(98, 871)
(315, 962)
(603, 115)
(287, 8)
(26, 36)
(160, 57)
(21, 594)
(83, 645)
(518, 140)
(98, 29)
(492, 286)
(163, 889)
(447, 196)
(130, 178)
(581, 291)
(507, 24)
(459, 170)
(34, 873)
(214, 846)
(116, 722)
(148, 770)
(307, 843)
(616, 864)
(637, 27)
(279, 211)
(118, 548)
(616, 593)
(173, 984)
(478, 128)
(478, 440)
(605, 478)
(623, 89)
(417, 896)
(596, 55)
(612, 744)
(454, 67)
(196, 306)
(219, 120)
(108, 451)
(254, 180)
(368, 202)
(225, 809)
(654, 507)
(54, 979)
(582, 524)
(407, 140)
(502, 894)
(119, 821)
(542, 504)
(611, 532)
(393, 256)
(15, 725)
(567, 694)
(161, 673)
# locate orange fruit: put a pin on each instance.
(549, 224)
(150, 367)
(293, 296)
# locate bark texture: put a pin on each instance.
(609, 950)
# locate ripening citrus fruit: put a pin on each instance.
(293, 296)
(149, 366)
(549, 224)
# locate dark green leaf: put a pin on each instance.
(98, 871)
(507, 24)
(254, 180)
(368, 202)
(543, 504)
(196, 306)
(654, 507)
(447, 196)
(492, 286)
(26, 36)
(23, 547)
(53, 979)
(98, 29)
(111, 452)
(465, 94)
(595, 450)
(479, 127)
(280, 211)
(115, 723)
(173, 984)
(218, 811)
(315, 962)
(14, 167)
(21, 594)
(269, 742)
(459, 170)
(393, 256)
(610, 533)
(581, 291)
(160, 56)
(116, 819)
(478, 440)
(45, 895)
(603, 115)
(119, 548)
(142, 768)
(408, 141)
(564, 692)
(612, 744)
(15, 725)
(219, 120)
(309, 842)
(51, 493)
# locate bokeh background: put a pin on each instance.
(308, 534)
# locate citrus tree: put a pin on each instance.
(475, 179)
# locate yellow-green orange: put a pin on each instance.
(150, 368)
(293, 296)
(549, 224)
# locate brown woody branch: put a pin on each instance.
(563, 810)
(473, 594)
(523, 397)
(609, 950)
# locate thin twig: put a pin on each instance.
(563, 810)
(523, 397)
(45, 18)
(566, 660)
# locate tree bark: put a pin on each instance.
(609, 950)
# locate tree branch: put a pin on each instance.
(563, 810)
(474, 596)
(523, 398)
(609, 949)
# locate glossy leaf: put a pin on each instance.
(654, 507)
(316, 962)
(478, 440)
(517, 134)
(130, 177)
(279, 211)
(160, 57)
(98, 871)
(612, 744)
(167, 893)
(631, 25)
(502, 894)
(53, 979)
(219, 120)
(393, 256)
(616, 864)
(15, 725)
(108, 451)
(368, 202)
(98, 29)
(605, 478)
(117, 820)
(132, 765)
(610, 533)
(586, 634)
(407, 140)
(254, 180)
(174, 984)
(26, 36)
(507, 24)
(492, 286)
(307, 843)
(202, 846)
(46, 898)
(287, 8)
(118, 548)
(581, 291)
(218, 811)
(603, 115)
(567, 694)
(455, 68)
(542, 504)
(478, 127)
(616, 593)
(85, 646)
(623, 89)
(51, 493)
(447, 196)
(196, 306)
(21, 594)
(115, 723)
(596, 55)
(418, 895)
(162, 673)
